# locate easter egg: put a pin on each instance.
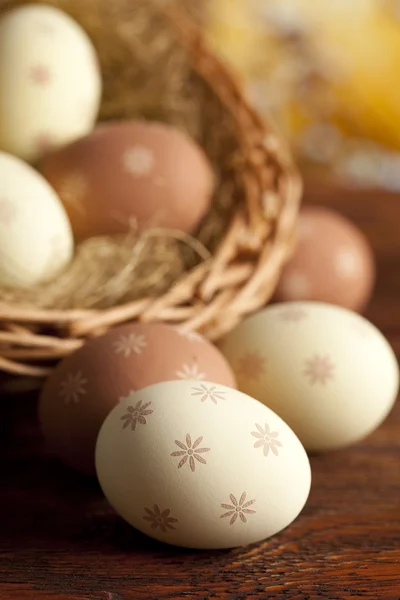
(333, 262)
(86, 385)
(36, 241)
(50, 83)
(206, 467)
(128, 174)
(328, 372)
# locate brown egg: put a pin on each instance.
(83, 389)
(333, 262)
(129, 172)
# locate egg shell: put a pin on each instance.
(78, 396)
(328, 372)
(206, 467)
(36, 241)
(50, 81)
(131, 172)
(333, 262)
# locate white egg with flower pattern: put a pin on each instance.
(328, 372)
(201, 465)
(36, 241)
(50, 82)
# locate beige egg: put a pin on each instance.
(84, 387)
(36, 241)
(328, 372)
(201, 465)
(50, 81)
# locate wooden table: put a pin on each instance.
(59, 540)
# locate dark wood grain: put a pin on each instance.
(60, 541)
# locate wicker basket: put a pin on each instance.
(255, 174)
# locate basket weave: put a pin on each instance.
(255, 171)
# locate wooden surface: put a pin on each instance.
(58, 539)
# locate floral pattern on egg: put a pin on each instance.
(195, 464)
(190, 452)
(53, 74)
(73, 388)
(239, 508)
(190, 371)
(252, 365)
(320, 369)
(160, 519)
(40, 75)
(107, 370)
(208, 393)
(293, 314)
(136, 415)
(130, 344)
(137, 175)
(188, 334)
(139, 161)
(332, 262)
(266, 439)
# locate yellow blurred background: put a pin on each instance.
(327, 71)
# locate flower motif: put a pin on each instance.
(347, 262)
(190, 372)
(139, 161)
(188, 334)
(190, 452)
(73, 190)
(136, 414)
(319, 369)
(266, 439)
(296, 286)
(73, 387)
(294, 314)
(8, 212)
(128, 344)
(238, 509)
(40, 75)
(206, 393)
(160, 519)
(252, 365)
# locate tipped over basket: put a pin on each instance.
(155, 65)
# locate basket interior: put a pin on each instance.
(147, 73)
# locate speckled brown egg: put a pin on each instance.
(83, 389)
(333, 262)
(131, 172)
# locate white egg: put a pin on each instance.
(329, 373)
(36, 241)
(50, 84)
(201, 465)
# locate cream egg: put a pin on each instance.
(328, 372)
(85, 386)
(36, 241)
(50, 82)
(131, 173)
(201, 465)
(333, 262)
